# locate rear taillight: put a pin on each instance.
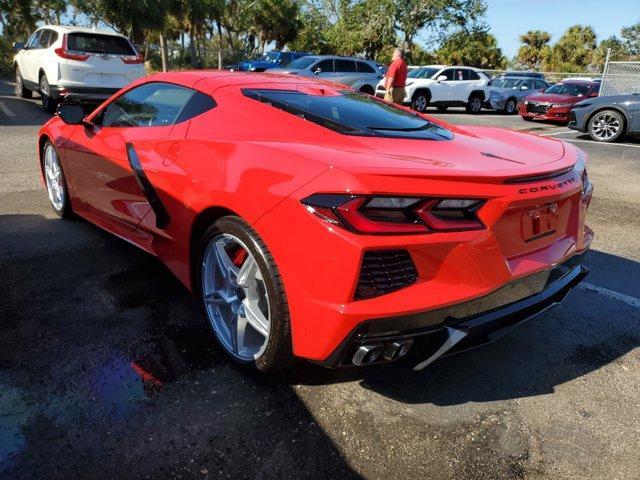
(63, 52)
(380, 215)
(131, 59)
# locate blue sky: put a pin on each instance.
(510, 18)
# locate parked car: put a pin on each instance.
(269, 60)
(70, 62)
(607, 119)
(555, 103)
(526, 73)
(506, 92)
(443, 87)
(357, 73)
(337, 228)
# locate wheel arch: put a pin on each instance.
(615, 108)
(476, 93)
(41, 141)
(367, 88)
(421, 90)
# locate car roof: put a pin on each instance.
(74, 29)
(340, 57)
(516, 77)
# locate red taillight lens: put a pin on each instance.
(65, 53)
(131, 59)
(370, 214)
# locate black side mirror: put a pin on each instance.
(71, 114)
(17, 46)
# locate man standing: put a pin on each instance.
(395, 78)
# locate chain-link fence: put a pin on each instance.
(620, 78)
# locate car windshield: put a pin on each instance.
(302, 62)
(269, 57)
(505, 82)
(426, 72)
(352, 113)
(96, 43)
(573, 89)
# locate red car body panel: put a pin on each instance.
(552, 113)
(259, 162)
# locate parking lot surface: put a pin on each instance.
(107, 369)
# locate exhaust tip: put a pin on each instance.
(396, 349)
(367, 354)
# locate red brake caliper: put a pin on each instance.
(239, 256)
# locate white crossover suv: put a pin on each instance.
(65, 62)
(442, 86)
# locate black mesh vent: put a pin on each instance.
(384, 271)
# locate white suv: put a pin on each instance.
(442, 86)
(65, 62)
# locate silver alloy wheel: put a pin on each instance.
(476, 104)
(510, 107)
(18, 84)
(420, 103)
(605, 126)
(44, 86)
(235, 297)
(54, 178)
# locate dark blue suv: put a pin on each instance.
(269, 60)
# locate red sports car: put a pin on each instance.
(314, 221)
(557, 101)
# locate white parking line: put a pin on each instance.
(605, 292)
(6, 110)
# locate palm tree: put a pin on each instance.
(535, 44)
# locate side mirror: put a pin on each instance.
(17, 46)
(441, 78)
(71, 114)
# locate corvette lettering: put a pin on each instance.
(551, 187)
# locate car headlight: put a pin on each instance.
(561, 105)
(252, 68)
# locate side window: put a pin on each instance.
(461, 74)
(34, 40)
(595, 89)
(154, 104)
(52, 38)
(324, 66)
(449, 73)
(345, 65)
(43, 40)
(473, 75)
(365, 67)
(285, 59)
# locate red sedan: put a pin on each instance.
(557, 101)
(318, 222)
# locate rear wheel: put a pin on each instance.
(606, 126)
(474, 105)
(21, 91)
(510, 106)
(420, 102)
(48, 103)
(368, 89)
(243, 296)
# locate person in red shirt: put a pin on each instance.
(395, 78)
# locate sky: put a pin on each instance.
(508, 19)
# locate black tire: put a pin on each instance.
(49, 104)
(528, 119)
(442, 109)
(614, 120)
(21, 91)
(368, 89)
(278, 353)
(420, 101)
(511, 106)
(474, 105)
(67, 210)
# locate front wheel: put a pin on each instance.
(474, 105)
(606, 126)
(243, 296)
(21, 91)
(55, 181)
(48, 103)
(510, 106)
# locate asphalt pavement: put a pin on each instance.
(107, 369)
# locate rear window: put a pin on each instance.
(101, 44)
(352, 113)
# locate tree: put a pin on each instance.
(275, 21)
(535, 47)
(477, 48)
(631, 38)
(615, 46)
(573, 52)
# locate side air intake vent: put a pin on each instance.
(384, 271)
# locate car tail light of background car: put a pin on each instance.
(395, 215)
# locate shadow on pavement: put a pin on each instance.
(108, 370)
(23, 112)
